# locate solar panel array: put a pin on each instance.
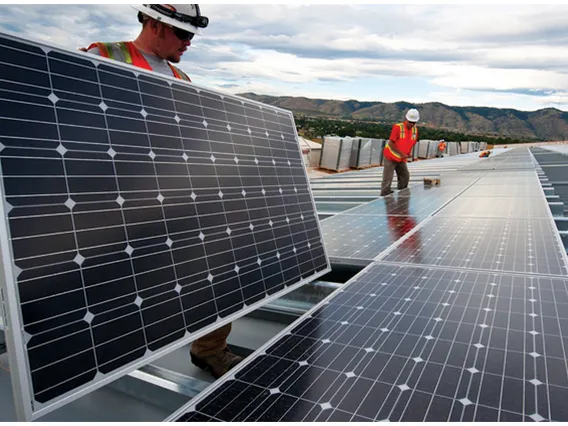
(471, 324)
(141, 212)
(554, 165)
(357, 236)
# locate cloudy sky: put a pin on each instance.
(510, 56)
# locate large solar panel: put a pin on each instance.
(141, 212)
(504, 245)
(409, 343)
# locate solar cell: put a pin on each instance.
(409, 343)
(141, 212)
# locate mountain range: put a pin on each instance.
(544, 125)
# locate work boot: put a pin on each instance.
(217, 364)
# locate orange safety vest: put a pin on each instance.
(442, 146)
(402, 136)
(133, 57)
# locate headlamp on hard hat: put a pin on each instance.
(198, 21)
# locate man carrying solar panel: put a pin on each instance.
(167, 31)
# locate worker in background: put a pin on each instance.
(398, 148)
(167, 32)
(485, 154)
(441, 148)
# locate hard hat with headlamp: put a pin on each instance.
(186, 17)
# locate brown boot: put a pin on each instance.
(217, 364)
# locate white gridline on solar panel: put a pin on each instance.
(178, 116)
(456, 331)
(374, 209)
(520, 208)
(450, 231)
(284, 251)
(245, 223)
(231, 226)
(472, 260)
(214, 192)
(513, 181)
(72, 205)
(181, 312)
(139, 223)
(282, 189)
(225, 213)
(502, 166)
(275, 262)
(149, 146)
(147, 289)
(280, 253)
(202, 125)
(200, 92)
(410, 373)
(499, 187)
(212, 279)
(180, 190)
(153, 152)
(141, 309)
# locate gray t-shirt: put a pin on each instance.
(158, 65)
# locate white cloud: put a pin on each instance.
(304, 49)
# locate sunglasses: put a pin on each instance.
(183, 35)
(197, 21)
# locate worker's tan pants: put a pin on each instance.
(212, 343)
(402, 175)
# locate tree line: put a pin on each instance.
(318, 127)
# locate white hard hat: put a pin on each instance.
(412, 115)
(187, 17)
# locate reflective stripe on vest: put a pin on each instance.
(392, 152)
(133, 56)
(402, 129)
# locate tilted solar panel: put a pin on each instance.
(141, 212)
